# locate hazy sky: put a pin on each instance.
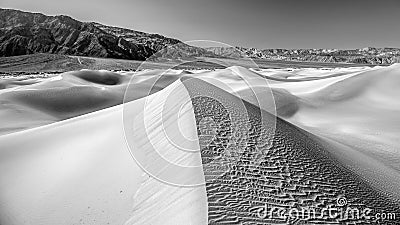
(251, 23)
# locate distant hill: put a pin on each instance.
(24, 33)
(360, 56)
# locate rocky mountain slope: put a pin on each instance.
(361, 56)
(24, 33)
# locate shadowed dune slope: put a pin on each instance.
(290, 168)
(74, 93)
(283, 92)
(28, 103)
(16, 82)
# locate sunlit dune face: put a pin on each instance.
(333, 135)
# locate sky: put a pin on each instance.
(343, 24)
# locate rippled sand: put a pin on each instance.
(288, 138)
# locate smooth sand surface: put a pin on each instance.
(360, 112)
(80, 171)
(77, 171)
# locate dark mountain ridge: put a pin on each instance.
(24, 33)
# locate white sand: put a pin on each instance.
(355, 109)
(80, 171)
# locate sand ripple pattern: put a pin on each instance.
(248, 168)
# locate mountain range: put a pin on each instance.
(366, 55)
(23, 33)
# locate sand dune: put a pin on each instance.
(33, 102)
(60, 175)
(16, 82)
(360, 112)
(74, 93)
(297, 170)
(63, 175)
(336, 137)
(309, 73)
